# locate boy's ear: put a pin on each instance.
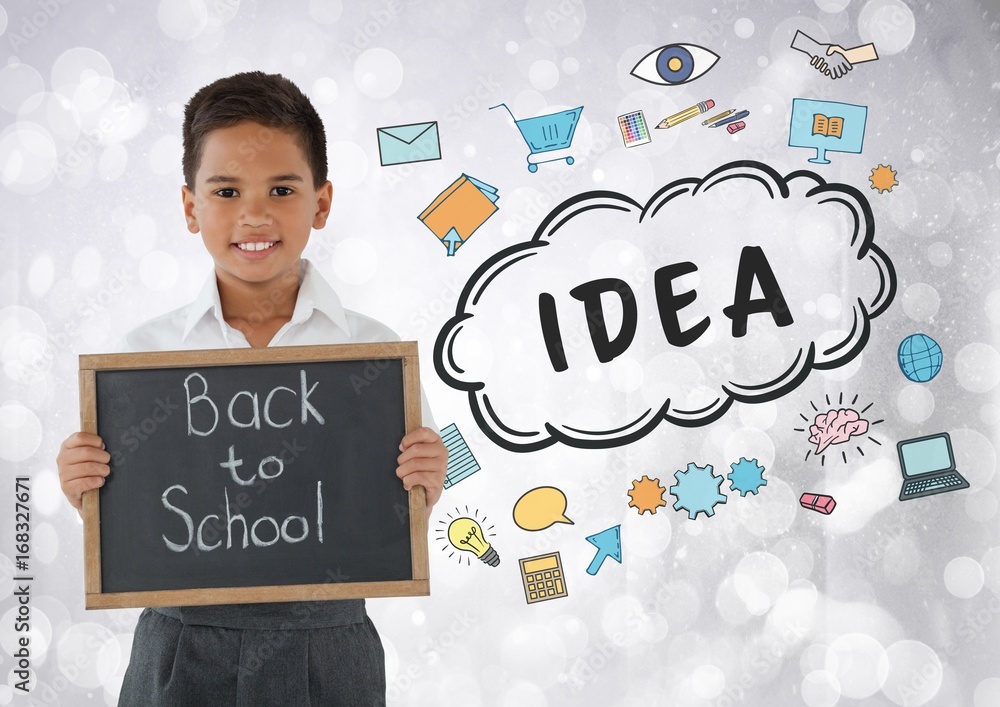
(324, 198)
(187, 196)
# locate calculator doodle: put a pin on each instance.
(542, 576)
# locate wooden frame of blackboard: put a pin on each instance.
(91, 364)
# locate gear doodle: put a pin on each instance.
(747, 476)
(883, 178)
(697, 490)
(646, 495)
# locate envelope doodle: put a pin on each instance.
(402, 144)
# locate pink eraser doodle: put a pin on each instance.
(736, 127)
(818, 502)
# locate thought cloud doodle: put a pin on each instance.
(728, 288)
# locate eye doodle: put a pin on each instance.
(675, 64)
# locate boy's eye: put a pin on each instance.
(227, 193)
(282, 191)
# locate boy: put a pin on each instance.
(255, 185)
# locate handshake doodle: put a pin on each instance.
(832, 59)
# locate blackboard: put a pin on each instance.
(252, 475)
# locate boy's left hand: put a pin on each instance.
(423, 462)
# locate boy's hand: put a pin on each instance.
(83, 465)
(423, 462)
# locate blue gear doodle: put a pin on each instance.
(697, 490)
(747, 476)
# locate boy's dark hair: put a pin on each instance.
(268, 99)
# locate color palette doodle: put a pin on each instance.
(633, 127)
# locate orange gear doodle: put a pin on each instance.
(646, 495)
(883, 178)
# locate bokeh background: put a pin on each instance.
(881, 603)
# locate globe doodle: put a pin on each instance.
(919, 357)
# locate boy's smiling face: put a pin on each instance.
(254, 203)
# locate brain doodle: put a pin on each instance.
(618, 316)
(836, 427)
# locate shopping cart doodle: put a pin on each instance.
(547, 133)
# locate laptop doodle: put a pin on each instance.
(928, 466)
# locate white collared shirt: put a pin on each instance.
(318, 318)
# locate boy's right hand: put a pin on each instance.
(83, 464)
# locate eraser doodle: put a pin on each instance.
(461, 463)
(736, 127)
(883, 178)
(541, 508)
(646, 495)
(547, 134)
(818, 502)
(920, 358)
(674, 64)
(609, 544)
(589, 290)
(837, 426)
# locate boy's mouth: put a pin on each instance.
(255, 246)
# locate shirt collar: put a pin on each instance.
(207, 301)
(314, 294)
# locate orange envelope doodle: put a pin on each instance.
(459, 210)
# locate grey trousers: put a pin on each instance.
(177, 663)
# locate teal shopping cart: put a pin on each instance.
(547, 133)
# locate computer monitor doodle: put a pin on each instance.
(827, 126)
(925, 456)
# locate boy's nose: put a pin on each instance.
(255, 212)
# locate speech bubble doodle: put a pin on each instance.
(541, 508)
(628, 314)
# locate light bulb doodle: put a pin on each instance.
(466, 534)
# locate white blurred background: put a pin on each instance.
(881, 603)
